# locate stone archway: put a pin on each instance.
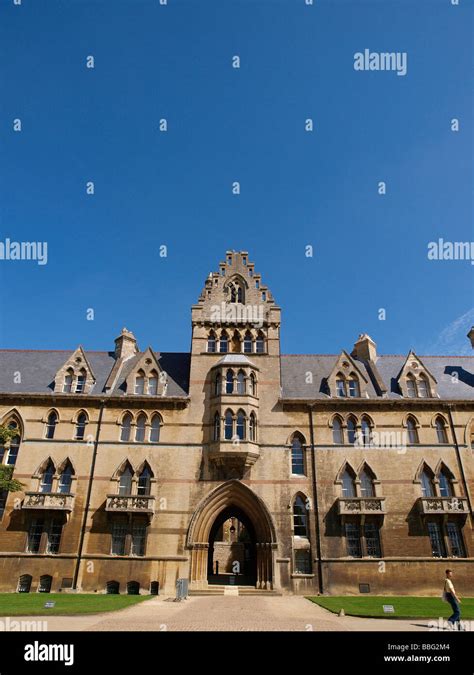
(232, 496)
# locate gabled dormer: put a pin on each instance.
(147, 378)
(76, 375)
(415, 380)
(347, 379)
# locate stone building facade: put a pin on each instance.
(345, 473)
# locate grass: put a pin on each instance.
(32, 604)
(406, 607)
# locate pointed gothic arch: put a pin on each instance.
(226, 498)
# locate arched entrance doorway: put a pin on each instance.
(249, 549)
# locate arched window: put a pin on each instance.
(351, 430)
(248, 342)
(427, 488)
(366, 484)
(445, 484)
(253, 385)
(81, 382)
(140, 383)
(144, 481)
(228, 425)
(65, 479)
(112, 587)
(24, 583)
(224, 343)
(297, 457)
(236, 292)
(337, 432)
(211, 342)
(441, 430)
(140, 428)
(241, 425)
(46, 484)
(423, 387)
(252, 427)
(126, 427)
(229, 382)
(217, 427)
(353, 386)
(340, 386)
(241, 382)
(411, 387)
(348, 485)
(412, 431)
(125, 482)
(217, 386)
(51, 424)
(68, 378)
(366, 431)
(9, 453)
(155, 429)
(260, 343)
(300, 517)
(45, 583)
(81, 426)
(153, 384)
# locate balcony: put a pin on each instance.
(245, 453)
(130, 504)
(443, 505)
(48, 501)
(359, 506)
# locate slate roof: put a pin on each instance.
(294, 369)
(38, 369)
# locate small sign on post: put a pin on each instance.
(48, 605)
(388, 609)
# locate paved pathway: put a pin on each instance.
(221, 613)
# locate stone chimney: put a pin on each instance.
(365, 348)
(125, 345)
(470, 335)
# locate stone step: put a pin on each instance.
(232, 590)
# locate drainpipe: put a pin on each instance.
(460, 463)
(315, 501)
(88, 497)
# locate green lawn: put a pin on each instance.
(32, 604)
(406, 607)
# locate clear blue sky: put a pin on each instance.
(247, 125)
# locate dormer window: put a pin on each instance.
(353, 387)
(411, 387)
(81, 382)
(423, 387)
(68, 379)
(140, 383)
(340, 388)
(153, 384)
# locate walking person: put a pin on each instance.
(454, 601)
